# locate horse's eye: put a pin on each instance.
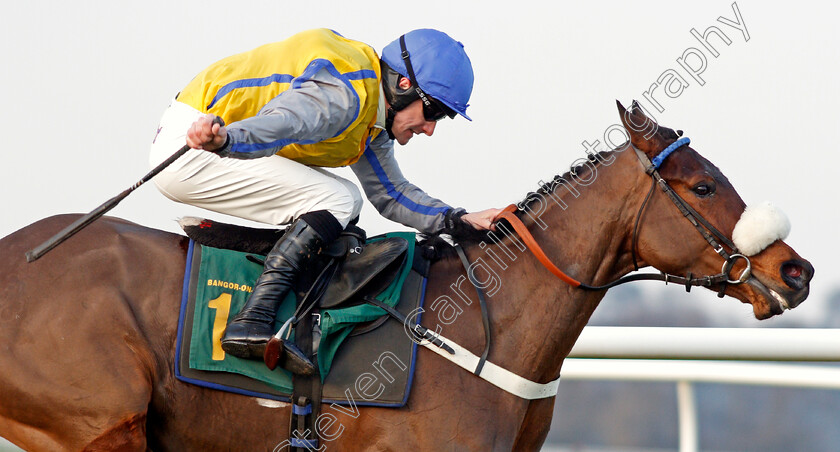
(704, 189)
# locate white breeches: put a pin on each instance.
(272, 190)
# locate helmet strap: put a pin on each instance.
(397, 97)
(389, 122)
(408, 68)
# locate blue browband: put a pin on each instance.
(667, 151)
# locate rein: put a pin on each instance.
(530, 390)
(711, 234)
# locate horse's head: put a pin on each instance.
(666, 238)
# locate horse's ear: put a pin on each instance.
(641, 129)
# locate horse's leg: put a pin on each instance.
(535, 426)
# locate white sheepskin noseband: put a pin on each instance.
(759, 226)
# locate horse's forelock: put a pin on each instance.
(669, 134)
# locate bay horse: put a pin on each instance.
(87, 334)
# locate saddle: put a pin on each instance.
(354, 272)
(355, 269)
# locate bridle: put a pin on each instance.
(530, 390)
(716, 239)
(713, 236)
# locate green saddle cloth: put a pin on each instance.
(225, 280)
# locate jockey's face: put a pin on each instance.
(410, 121)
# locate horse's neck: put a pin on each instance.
(538, 317)
(587, 229)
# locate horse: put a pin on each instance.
(87, 334)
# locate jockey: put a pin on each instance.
(314, 100)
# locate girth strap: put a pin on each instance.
(421, 331)
(495, 375)
(485, 317)
(306, 395)
(306, 392)
(463, 358)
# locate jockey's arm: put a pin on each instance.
(395, 197)
(319, 109)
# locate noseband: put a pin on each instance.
(716, 239)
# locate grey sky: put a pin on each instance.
(85, 84)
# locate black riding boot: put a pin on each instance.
(248, 333)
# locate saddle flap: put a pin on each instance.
(368, 272)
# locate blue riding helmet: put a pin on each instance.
(437, 64)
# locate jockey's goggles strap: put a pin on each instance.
(433, 110)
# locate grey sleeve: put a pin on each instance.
(392, 195)
(317, 109)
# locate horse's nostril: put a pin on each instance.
(796, 274)
(794, 271)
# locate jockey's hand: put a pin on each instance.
(207, 133)
(482, 219)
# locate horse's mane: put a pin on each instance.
(438, 245)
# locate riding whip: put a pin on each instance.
(84, 221)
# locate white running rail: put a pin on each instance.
(708, 355)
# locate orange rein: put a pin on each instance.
(518, 226)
